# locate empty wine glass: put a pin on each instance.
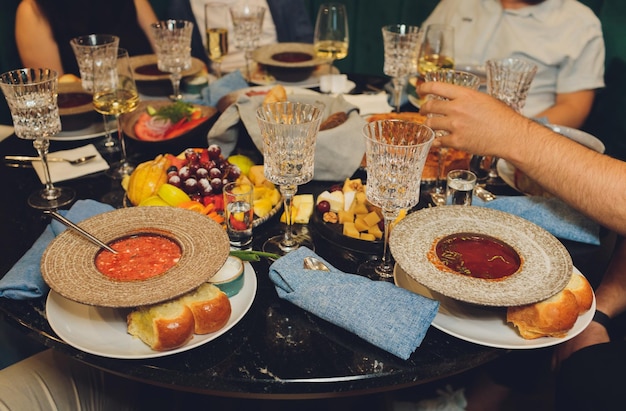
(508, 80)
(396, 151)
(247, 24)
(216, 28)
(173, 48)
(460, 78)
(289, 131)
(115, 93)
(31, 95)
(400, 43)
(330, 38)
(437, 49)
(93, 51)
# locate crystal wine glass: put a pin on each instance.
(396, 151)
(289, 131)
(437, 49)
(31, 95)
(216, 28)
(508, 80)
(460, 78)
(115, 93)
(330, 38)
(92, 52)
(173, 48)
(247, 24)
(400, 43)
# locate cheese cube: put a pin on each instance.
(350, 231)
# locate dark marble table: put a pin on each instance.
(276, 351)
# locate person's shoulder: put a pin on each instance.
(578, 9)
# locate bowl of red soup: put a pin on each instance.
(75, 106)
(157, 257)
(288, 62)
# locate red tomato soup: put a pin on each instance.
(478, 255)
(138, 257)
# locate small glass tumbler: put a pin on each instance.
(238, 206)
(460, 187)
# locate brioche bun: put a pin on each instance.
(210, 307)
(162, 326)
(555, 316)
(169, 325)
(277, 94)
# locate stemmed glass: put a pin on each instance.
(247, 24)
(289, 131)
(115, 93)
(31, 95)
(508, 80)
(173, 48)
(94, 52)
(400, 43)
(437, 49)
(396, 151)
(216, 28)
(460, 78)
(330, 38)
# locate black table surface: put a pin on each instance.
(277, 350)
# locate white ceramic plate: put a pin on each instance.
(484, 325)
(506, 170)
(93, 131)
(544, 259)
(102, 331)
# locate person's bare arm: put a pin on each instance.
(570, 109)
(145, 17)
(35, 41)
(591, 182)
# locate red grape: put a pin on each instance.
(323, 206)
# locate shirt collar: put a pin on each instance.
(540, 11)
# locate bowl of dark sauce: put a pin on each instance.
(288, 62)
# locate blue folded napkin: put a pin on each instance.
(219, 88)
(550, 213)
(387, 316)
(24, 280)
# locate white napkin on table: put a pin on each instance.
(61, 171)
(370, 103)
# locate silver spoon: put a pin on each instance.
(312, 263)
(75, 162)
(76, 228)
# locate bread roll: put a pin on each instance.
(334, 120)
(582, 290)
(210, 307)
(163, 326)
(555, 316)
(277, 94)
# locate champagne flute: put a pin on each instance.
(93, 51)
(330, 38)
(289, 131)
(247, 24)
(115, 93)
(31, 95)
(396, 151)
(460, 78)
(216, 28)
(173, 48)
(400, 43)
(437, 49)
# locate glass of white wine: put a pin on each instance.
(216, 17)
(331, 39)
(437, 49)
(115, 93)
(31, 95)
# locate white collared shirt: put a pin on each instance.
(562, 37)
